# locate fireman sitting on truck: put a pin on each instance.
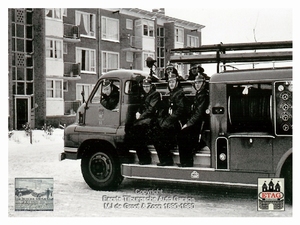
(170, 68)
(193, 72)
(139, 133)
(169, 121)
(189, 134)
(110, 95)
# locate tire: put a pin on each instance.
(101, 170)
(287, 174)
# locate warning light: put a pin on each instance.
(222, 157)
(280, 88)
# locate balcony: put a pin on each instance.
(136, 42)
(72, 71)
(71, 33)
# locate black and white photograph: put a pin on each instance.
(34, 194)
(150, 112)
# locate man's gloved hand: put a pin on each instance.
(137, 115)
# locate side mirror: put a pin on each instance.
(82, 94)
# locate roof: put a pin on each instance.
(151, 15)
(250, 76)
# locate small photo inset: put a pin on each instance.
(33, 194)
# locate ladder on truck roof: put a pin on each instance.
(221, 56)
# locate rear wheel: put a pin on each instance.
(101, 170)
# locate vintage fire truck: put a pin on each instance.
(249, 130)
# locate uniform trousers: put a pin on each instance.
(165, 140)
(138, 138)
(187, 141)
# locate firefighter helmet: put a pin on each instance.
(106, 82)
(170, 65)
(173, 76)
(194, 66)
(199, 78)
(147, 82)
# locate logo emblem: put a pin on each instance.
(270, 194)
(195, 174)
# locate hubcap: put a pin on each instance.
(100, 166)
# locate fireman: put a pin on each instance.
(142, 126)
(170, 69)
(193, 72)
(189, 134)
(110, 95)
(169, 122)
(206, 77)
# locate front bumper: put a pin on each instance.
(69, 153)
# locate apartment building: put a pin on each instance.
(57, 55)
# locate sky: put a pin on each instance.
(238, 25)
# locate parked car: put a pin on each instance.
(22, 191)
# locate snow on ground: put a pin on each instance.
(73, 198)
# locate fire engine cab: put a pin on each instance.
(249, 130)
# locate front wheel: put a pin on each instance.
(101, 170)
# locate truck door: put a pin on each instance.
(103, 108)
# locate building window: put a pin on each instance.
(145, 30)
(129, 56)
(148, 30)
(85, 89)
(65, 86)
(160, 50)
(64, 12)
(192, 41)
(86, 23)
(110, 29)
(53, 48)
(87, 59)
(179, 34)
(129, 24)
(110, 61)
(54, 13)
(65, 48)
(54, 88)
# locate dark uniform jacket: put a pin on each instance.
(175, 111)
(149, 108)
(192, 76)
(110, 102)
(199, 106)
